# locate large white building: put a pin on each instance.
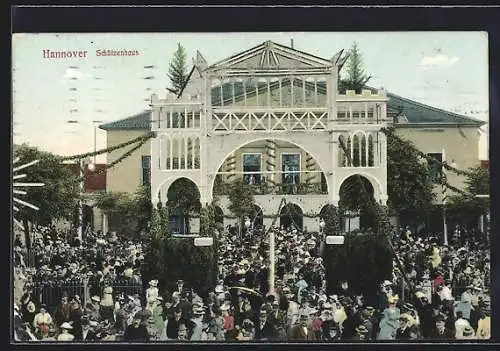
(273, 115)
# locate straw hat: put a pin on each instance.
(394, 299)
(96, 298)
(362, 329)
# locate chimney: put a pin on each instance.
(291, 43)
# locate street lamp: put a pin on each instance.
(321, 234)
(81, 166)
(247, 224)
(91, 166)
(321, 225)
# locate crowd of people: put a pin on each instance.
(438, 292)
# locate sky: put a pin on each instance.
(448, 70)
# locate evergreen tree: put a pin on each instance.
(177, 71)
(356, 78)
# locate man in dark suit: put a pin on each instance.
(440, 332)
(136, 331)
(264, 330)
(88, 334)
(173, 324)
(301, 331)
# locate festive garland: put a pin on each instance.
(142, 138)
(390, 133)
(118, 160)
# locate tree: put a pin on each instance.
(183, 201)
(241, 200)
(128, 213)
(466, 208)
(169, 258)
(57, 199)
(356, 77)
(177, 71)
(409, 182)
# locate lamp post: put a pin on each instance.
(271, 260)
(247, 224)
(81, 167)
(321, 235)
(444, 196)
(96, 124)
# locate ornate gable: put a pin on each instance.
(274, 57)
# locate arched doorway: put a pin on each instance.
(357, 203)
(257, 217)
(291, 216)
(183, 201)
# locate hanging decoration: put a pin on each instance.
(390, 134)
(142, 138)
(17, 185)
(118, 160)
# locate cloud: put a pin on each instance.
(438, 60)
(73, 73)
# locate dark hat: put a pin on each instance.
(440, 318)
(178, 310)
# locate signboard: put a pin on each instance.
(203, 241)
(334, 240)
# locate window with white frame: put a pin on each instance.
(290, 166)
(252, 168)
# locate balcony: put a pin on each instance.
(222, 189)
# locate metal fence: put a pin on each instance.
(51, 295)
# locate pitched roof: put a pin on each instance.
(416, 113)
(138, 121)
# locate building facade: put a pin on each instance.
(273, 116)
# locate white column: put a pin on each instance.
(367, 149)
(171, 119)
(104, 223)
(281, 93)
(271, 261)
(194, 146)
(171, 152)
(304, 91)
(179, 152)
(186, 154)
(315, 92)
